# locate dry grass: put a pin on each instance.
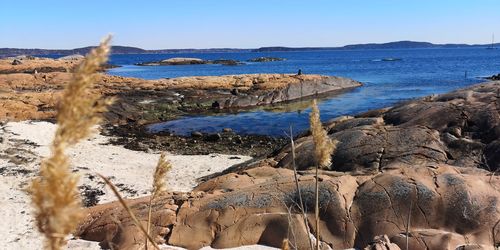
(323, 145)
(159, 178)
(285, 245)
(299, 193)
(129, 210)
(159, 187)
(323, 149)
(55, 193)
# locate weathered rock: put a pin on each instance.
(123, 235)
(213, 137)
(460, 128)
(177, 61)
(196, 134)
(226, 62)
(27, 95)
(266, 59)
(297, 87)
(72, 57)
(382, 243)
(190, 61)
(16, 62)
(494, 77)
(31, 65)
(369, 148)
(259, 206)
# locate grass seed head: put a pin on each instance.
(159, 183)
(54, 192)
(323, 145)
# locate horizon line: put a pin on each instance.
(270, 46)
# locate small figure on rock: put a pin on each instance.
(300, 72)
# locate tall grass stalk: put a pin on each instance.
(54, 193)
(323, 149)
(159, 187)
(408, 221)
(299, 193)
(129, 210)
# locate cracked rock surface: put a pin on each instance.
(461, 128)
(420, 173)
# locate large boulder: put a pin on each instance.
(438, 207)
(75, 57)
(461, 128)
(175, 61)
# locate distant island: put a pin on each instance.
(6, 52)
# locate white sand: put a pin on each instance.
(24, 144)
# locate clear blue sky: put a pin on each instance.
(162, 24)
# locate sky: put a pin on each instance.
(170, 24)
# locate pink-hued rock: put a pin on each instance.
(414, 174)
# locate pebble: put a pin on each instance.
(196, 134)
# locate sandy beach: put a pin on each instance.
(24, 144)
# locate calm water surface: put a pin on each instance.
(420, 72)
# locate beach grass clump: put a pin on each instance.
(323, 150)
(54, 193)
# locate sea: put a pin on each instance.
(389, 76)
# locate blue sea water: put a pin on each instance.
(420, 72)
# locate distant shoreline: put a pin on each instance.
(123, 50)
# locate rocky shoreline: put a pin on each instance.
(31, 89)
(431, 161)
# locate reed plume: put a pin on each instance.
(161, 170)
(159, 187)
(285, 245)
(323, 149)
(323, 145)
(54, 192)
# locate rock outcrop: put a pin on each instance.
(175, 61)
(445, 207)
(266, 59)
(30, 90)
(494, 77)
(30, 65)
(72, 57)
(303, 87)
(461, 128)
(190, 61)
(417, 173)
